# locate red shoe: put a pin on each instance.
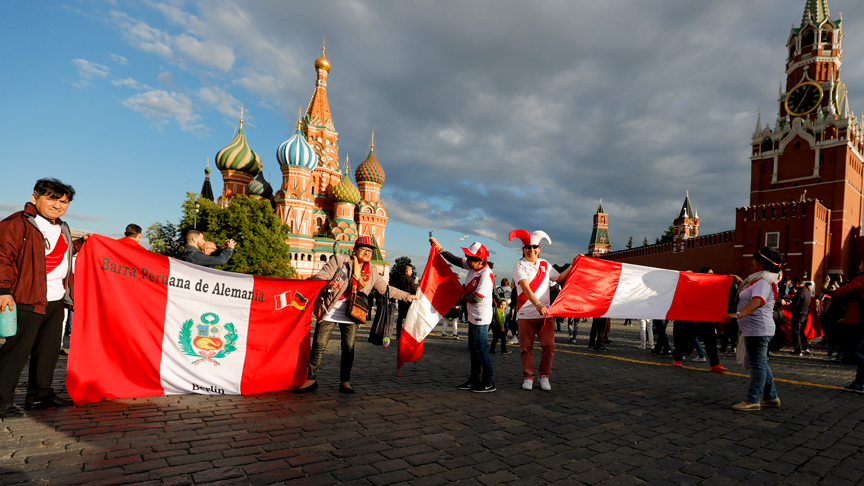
(718, 368)
(677, 364)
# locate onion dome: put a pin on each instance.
(322, 62)
(346, 191)
(370, 170)
(237, 155)
(297, 151)
(256, 188)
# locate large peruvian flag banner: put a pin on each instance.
(439, 290)
(600, 288)
(146, 325)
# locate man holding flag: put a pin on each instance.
(533, 276)
(479, 285)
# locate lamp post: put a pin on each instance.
(455, 239)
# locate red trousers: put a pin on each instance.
(528, 328)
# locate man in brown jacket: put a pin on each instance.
(36, 251)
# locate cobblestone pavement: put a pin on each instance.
(617, 418)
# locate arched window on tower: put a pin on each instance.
(808, 38)
(767, 145)
(823, 36)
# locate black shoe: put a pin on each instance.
(11, 411)
(467, 385)
(606, 342)
(48, 403)
(665, 354)
(491, 351)
(600, 347)
(481, 388)
(805, 352)
(310, 388)
(64, 352)
(345, 389)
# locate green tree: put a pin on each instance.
(165, 239)
(260, 235)
(399, 265)
(630, 243)
(645, 241)
(667, 235)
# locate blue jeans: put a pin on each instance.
(478, 336)
(761, 378)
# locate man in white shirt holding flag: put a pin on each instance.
(532, 276)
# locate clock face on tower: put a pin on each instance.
(804, 98)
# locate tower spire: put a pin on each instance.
(815, 11)
(758, 122)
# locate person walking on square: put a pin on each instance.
(451, 317)
(499, 318)
(662, 348)
(685, 332)
(533, 276)
(348, 275)
(756, 297)
(406, 283)
(598, 324)
(800, 311)
(851, 294)
(479, 286)
(36, 249)
(645, 334)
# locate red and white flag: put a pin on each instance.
(600, 288)
(439, 290)
(146, 325)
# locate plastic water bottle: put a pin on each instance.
(385, 342)
(9, 322)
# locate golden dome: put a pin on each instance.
(322, 62)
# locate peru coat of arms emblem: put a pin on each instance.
(207, 344)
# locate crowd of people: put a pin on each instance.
(36, 281)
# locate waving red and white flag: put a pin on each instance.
(600, 288)
(146, 325)
(439, 290)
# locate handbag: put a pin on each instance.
(358, 305)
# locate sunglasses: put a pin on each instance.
(531, 247)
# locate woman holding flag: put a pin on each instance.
(348, 275)
(533, 276)
(756, 297)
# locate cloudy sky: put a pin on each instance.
(488, 115)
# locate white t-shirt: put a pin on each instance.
(761, 322)
(56, 260)
(527, 270)
(481, 283)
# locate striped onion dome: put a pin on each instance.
(346, 191)
(370, 170)
(297, 151)
(238, 156)
(256, 187)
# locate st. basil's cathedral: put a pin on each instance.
(317, 200)
(806, 176)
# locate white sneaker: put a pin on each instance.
(641, 346)
(528, 384)
(699, 359)
(544, 383)
(514, 340)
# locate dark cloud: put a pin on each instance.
(494, 115)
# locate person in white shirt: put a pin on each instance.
(479, 286)
(532, 275)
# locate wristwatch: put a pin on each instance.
(739, 314)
